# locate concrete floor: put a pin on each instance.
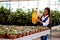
(54, 36)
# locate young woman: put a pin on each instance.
(44, 20)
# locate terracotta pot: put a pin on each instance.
(24, 34)
(36, 31)
(19, 35)
(5, 36)
(42, 30)
(33, 32)
(12, 36)
(2, 35)
(46, 28)
(27, 33)
(39, 30)
(30, 33)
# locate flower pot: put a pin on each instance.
(12, 36)
(27, 33)
(30, 33)
(39, 30)
(2, 35)
(24, 34)
(42, 30)
(5, 36)
(36, 31)
(33, 32)
(19, 35)
(46, 28)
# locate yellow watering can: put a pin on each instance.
(34, 17)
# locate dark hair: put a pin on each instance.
(48, 9)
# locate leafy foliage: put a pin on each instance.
(20, 17)
(56, 17)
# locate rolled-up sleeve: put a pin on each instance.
(46, 23)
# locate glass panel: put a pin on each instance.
(52, 3)
(53, 0)
(52, 7)
(23, 5)
(32, 4)
(56, 6)
(42, 5)
(5, 4)
(14, 6)
(4, 0)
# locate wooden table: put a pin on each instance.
(30, 37)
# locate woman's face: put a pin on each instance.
(45, 12)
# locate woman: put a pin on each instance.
(44, 20)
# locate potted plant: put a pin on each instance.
(27, 32)
(38, 29)
(2, 33)
(23, 33)
(11, 34)
(42, 28)
(19, 33)
(46, 28)
(33, 31)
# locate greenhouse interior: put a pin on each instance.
(16, 19)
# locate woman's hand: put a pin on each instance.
(38, 20)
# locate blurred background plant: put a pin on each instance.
(20, 17)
